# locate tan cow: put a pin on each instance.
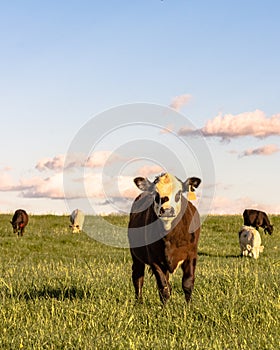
(250, 242)
(77, 218)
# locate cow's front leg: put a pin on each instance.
(138, 270)
(164, 286)
(188, 268)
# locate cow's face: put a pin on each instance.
(268, 229)
(15, 226)
(167, 191)
(76, 229)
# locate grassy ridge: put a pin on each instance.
(65, 291)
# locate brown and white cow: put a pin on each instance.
(19, 221)
(163, 233)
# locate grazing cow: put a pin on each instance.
(250, 242)
(19, 221)
(163, 233)
(77, 220)
(257, 218)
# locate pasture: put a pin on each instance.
(60, 290)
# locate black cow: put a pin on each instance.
(19, 221)
(257, 218)
(163, 233)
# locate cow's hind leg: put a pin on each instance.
(164, 286)
(188, 267)
(138, 270)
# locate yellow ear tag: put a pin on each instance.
(191, 195)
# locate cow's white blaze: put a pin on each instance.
(169, 190)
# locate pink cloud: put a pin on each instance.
(179, 101)
(96, 160)
(50, 187)
(244, 124)
(55, 163)
(150, 170)
(224, 205)
(126, 187)
(100, 159)
(34, 187)
(260, 151)
(168, 129)
(6, 181)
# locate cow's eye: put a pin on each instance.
(178, 196)
(157, 198)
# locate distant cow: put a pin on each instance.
(77, 220)
(163, 233)
(257, 218)
(19, 221)
(250, 242)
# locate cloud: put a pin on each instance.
(179, 101)
(148, 171)
(6, 181)
(50, 187)
(100, 159)
(55, 163)
(97, 160)
(244, 124)
(168, 129)
(260, 151)
(34, 187)
(227, 206)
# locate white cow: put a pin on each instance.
(250, 242)
(77, 218)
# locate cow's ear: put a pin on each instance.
(191, 183)
(144, 184)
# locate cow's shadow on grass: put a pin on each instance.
(47, 292)
(219, 255)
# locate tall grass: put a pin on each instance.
(64, 291)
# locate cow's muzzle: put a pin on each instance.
(167, 212)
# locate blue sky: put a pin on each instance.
(62, 63)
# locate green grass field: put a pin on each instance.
(64, 291)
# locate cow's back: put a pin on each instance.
(20, 217)
(255, 218)
(250, 217)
